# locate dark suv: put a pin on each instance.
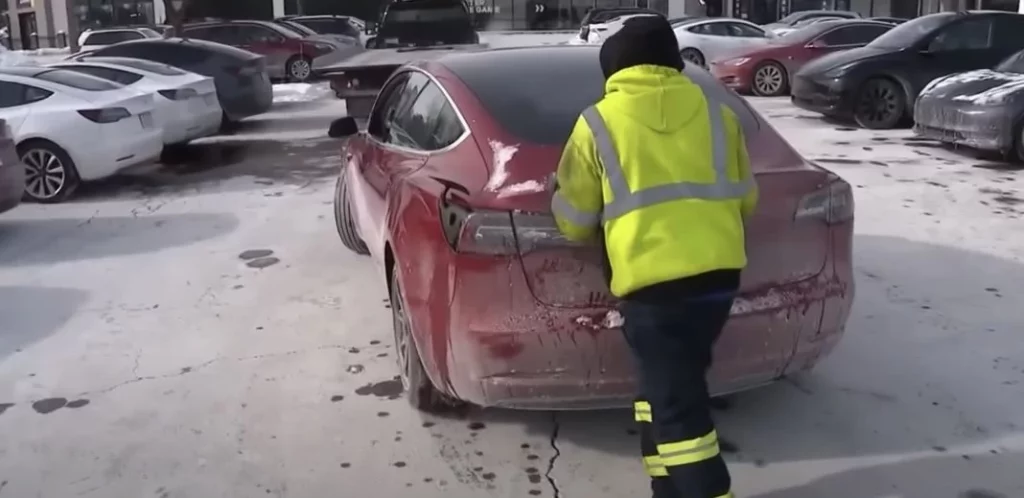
(419, 23)
(289, 54)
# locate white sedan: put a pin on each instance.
(703, 40)
(186, 103)
(71, 127)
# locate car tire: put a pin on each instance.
(419, 390)
(692, 55)
(50, 174)
(343, 219)
(770, 80)
(881, 104)
(298, 69)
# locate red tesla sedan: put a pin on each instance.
(447, 191)
(766, 71)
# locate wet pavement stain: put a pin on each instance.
(980, 493)
(49, 405)
(4, 407)
(383, 414)
(354, 369)
(184, 370)
(78, 403)
(428, 424)
(353, 350)
(1008, 199)
(374, 343)
(488, 476)
(534, 478)
(345, 465)
(399, 464)
(336, 398)
(381, 355)
(532, 457)
(261, 263)
(475, 426)
(837, 160)
(428, 479)
(255, 254)
(535, 492)
(391, 389)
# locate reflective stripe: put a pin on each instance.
(624, 201)
(642, 411)
(690, 451)
(654, 467)
(561, 208)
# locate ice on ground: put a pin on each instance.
(301, 92)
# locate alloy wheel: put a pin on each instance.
(692, 56)
(45, 173)
(300, 69)
(403, 336)
(878, 104)
(768, 80)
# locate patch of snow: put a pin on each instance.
(994, 95)
(527, 187)
(613, 320)
(979, 75)
(502, 155)
(300, 92)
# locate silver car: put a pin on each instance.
(702, 40)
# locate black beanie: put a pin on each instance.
(642, 40)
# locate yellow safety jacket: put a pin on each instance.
(665, 170)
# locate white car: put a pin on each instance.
(596, 33)
(186, 103)
(71, 127)
(92, 39)
(703, 40)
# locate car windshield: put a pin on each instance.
(298, 28)
(77, 80)
(910, 32)
(1012, 64)
(425, 14)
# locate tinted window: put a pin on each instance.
(545, 114)
(117, 76)
(744, 30)
(852, 35)
(436, 14)
(430, 122)
(220, 34)
(77, 80)
(385, 108)
(298, 28)
(415, 83)
(15, 94)
(144, 65)
(111, 37)
(912, 32)
(970, 34)
(257, 34)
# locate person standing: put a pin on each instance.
(658, 172)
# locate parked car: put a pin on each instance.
(983, 109)
(349, 26)
(602, 16)
(445, 190)
(243, 86)
(877, 85)
(186, 103)
(704, 39)
(289, 55)
(92, 39)
(789, 23)
(72, 127)
(891, 20)
(313, 35)
(421, 23)
(768, 69)
(12, 171)
(598, 32)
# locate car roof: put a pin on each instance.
(192, 42)
(697, 20)
(230, 21)
(23, 71)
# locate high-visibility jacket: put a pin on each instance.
(664, 169)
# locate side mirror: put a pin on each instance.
(343, 127)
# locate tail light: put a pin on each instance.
(832, 204)
(107, 115)
(179, 94)
(498, 233)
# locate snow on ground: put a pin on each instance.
(301, 92)
(200, 331)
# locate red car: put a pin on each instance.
(447, 191)
(767, 70)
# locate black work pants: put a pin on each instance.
(673, 344)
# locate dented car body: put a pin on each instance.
(501, 309)
(980, 109)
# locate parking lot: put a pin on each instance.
(197, 329)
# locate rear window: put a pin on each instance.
(144, 65)
(425, 14)
(109, 74)
(77, 80)
(111, 37)
(545, 114)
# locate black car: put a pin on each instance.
(424, 23)
(877, 85)
(983, 109)
(243, 85)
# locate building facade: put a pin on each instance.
(32, 24)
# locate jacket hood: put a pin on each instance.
(642, 40)
(657, 97)
(836, 59)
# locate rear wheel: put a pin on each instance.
(770, 80)
(693, 56)
(299, 68)
(880, 105)
(50, 174)
(343, 218)
(419, 391)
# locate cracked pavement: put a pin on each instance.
(199, 331)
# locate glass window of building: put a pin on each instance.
(99, 13)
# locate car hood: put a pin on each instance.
(982, 87)
(842, 58)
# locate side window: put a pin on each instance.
(430, 123)
(700, 29)
(970, 34)
(122, 77)
(415, 83)
(258, 34)
(840, 37)
(384, 109)
(744, 30)
(718, 29)
(11, 94)
(343, 27)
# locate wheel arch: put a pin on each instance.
(35, 137)
(901, 82)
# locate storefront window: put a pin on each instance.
(545, 14)
(98, 13)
